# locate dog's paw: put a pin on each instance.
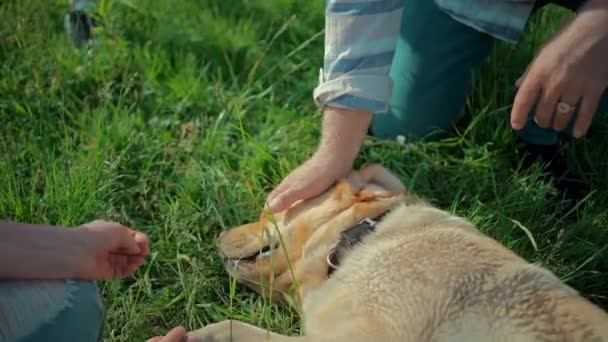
(225, 331)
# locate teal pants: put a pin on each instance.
(50, 310)
(435, 60)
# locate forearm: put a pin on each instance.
(343, 132)
(594, 13)
(595, 4)
(360, 39)
(32, 251)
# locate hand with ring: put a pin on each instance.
(569, 74)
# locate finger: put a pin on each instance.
(177, 334)
(154, 339)
(280, 203)
(524, 100)
(519, 80)
(284, 185)
(286, 199)
(587, 110)
(522, 77)
(118, 265)
(563, 116)
(127, 243)
(143, 242)
(99, 223)
(545, 109)
(275, 199)
(127, 271)
(299, 191)
(136, 260)
(130, 264)
(121, 266)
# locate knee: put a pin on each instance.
(424, 106)
(85, 305)
(428, 123)
(80, 318)
(86, 296)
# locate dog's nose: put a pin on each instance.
(221, 236)
(230, 264)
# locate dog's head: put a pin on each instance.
(284, 253)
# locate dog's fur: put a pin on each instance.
(422, 275)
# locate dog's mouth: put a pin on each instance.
(260, 254)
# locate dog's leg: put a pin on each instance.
(236, 331)
(376, 173)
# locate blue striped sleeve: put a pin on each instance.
(360, 40)
(363, 7)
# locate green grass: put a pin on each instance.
(184, 116)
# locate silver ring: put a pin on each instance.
(563, 108)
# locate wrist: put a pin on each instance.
(343, 133)
(60, 256)
(76, 241)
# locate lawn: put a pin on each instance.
(184, 114)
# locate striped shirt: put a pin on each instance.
(361, 35)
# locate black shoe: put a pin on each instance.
(79, 26)
(79, 21)
(554, 161)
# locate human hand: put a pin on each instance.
(569, 71)
(177, 334)
(110, 250)
(343, 134)
(308, 180)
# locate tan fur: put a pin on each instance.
(423, 275)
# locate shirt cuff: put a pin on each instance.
(370, 93)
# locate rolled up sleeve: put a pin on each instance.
(360, 40)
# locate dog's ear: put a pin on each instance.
(359, 190)
(345, 189)
(381, 181)
(374, 191)
(365, 196)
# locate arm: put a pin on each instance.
(38, 251)
(594, 4)
(342, 135)
(569, 69)
(96, 250)
(360, 40)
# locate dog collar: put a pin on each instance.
(349, 238)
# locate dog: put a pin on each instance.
(369, 261)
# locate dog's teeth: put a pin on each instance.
(264, 254)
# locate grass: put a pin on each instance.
(184, 116)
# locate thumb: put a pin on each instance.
(127, 244)
(285, 199)
(300, 191)
(522, 77)
(281, 202)
(177, 334)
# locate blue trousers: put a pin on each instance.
(432, 72)
(54, 310)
